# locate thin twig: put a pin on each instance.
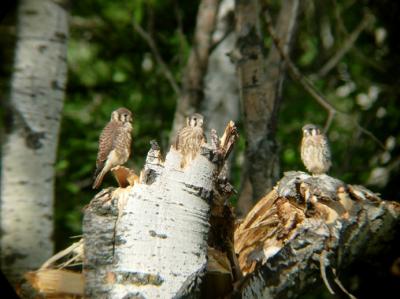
(340, 285)
(310, 88)
(329, 119)
(181, 34)
(151, 43)
(347, 46)
(323, 264)
(221, 39)
(343, 30)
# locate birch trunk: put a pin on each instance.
(30, 143)
(221, 93)
(193, 79)
(260, 83)
(150, 240)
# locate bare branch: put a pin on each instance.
(329, 119)
(219, 41)
(347, 46)
(181, 34)
(343, 30)
(311, 89)
(153, 47)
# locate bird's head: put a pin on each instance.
(122, 115)
(195, 120)
(311, 130)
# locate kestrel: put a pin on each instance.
(315, 152)
(190, 138)
(114, 144)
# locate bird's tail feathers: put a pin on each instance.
(99, 175)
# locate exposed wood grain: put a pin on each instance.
(310, 227)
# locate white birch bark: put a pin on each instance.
(174, 241)
(30, 142)
(192, 92)
(150, 240)
(160, 235)
(221, 92)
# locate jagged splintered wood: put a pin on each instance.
(149, 240)
(308, 228)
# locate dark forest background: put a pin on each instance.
(111, 65)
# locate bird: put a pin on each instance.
(114, 144)
(315, 152)
(190, 138)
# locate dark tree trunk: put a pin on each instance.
(260, 81)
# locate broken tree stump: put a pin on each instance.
(306, 230)
(149, 240)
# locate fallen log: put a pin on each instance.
(307, 230)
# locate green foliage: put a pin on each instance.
(110, 65)
(106, 71)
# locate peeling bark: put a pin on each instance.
(149, 240)
(260, 83)
(307, 230)
(31, 136)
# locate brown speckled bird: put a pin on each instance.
(190, 138)
(315, 152)
(114, 144)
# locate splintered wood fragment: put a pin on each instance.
(124, 176)
(229, 138)
(76, 250)
(218, 280)
(306, 221)
(52, 282)
(218, 262)
(154, 164)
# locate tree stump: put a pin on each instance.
(307, 228)
(149, 240)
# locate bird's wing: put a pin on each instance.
(106, 142)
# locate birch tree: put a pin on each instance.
(150, 240)
(31, 135)
(192, 93)
(221, 94)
